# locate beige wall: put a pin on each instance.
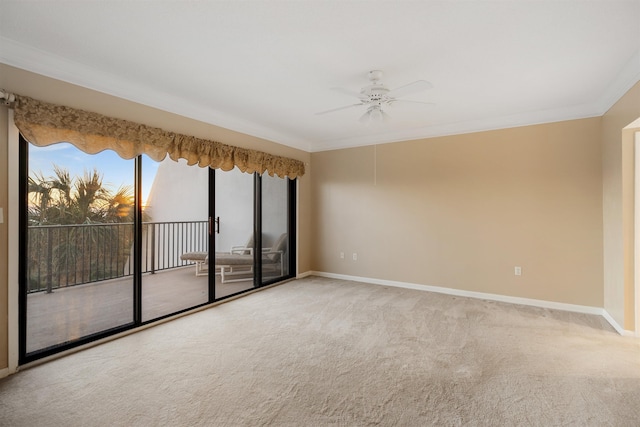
(458, 211)
(462, 211)
(617, 167)
(50, 90)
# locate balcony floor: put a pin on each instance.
(71, 313)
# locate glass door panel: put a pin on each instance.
(79, 237)
(91, 267)
(234, 224)
(275, 237)
(175, 242)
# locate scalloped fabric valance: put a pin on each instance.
(44, 124)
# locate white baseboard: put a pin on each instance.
(305, 274)
(4, 372)
(616, 326)
(481, 295)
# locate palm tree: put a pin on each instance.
(120, 205)
(67, 200)
(40, 187)
(90, 197)
(62, 183)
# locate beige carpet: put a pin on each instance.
(328, 352)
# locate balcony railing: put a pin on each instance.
(60, 256)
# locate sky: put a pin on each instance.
(115, 170)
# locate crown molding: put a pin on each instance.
(459, 128)
(628, 76)
(41, 62)
(31, 59)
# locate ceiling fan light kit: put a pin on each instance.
(374, 114)
(376, 95)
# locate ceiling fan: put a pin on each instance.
(376, 95)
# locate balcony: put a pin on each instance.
(80, 277)
(62, 256)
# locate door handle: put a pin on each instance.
(217, 222)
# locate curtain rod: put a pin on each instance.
(6, 97)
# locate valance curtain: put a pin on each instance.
(44, 124)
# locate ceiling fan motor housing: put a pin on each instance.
(375, 94)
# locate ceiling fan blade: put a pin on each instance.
(411, 101)
(337, 109)
(414, 87)
(348, 92)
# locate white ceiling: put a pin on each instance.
(266, 67)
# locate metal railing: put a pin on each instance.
(60, 256)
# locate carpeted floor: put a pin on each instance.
(328, 352)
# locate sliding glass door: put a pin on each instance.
(234, 232)
(174, 237)
(109, 244)
(275, 228)
(77, 243)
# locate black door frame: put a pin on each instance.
(23, 167)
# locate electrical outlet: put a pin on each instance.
(518, 271)
(341, 255)
(355, 256)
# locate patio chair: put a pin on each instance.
(234, 264)
(239, 261)
(201, 258)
